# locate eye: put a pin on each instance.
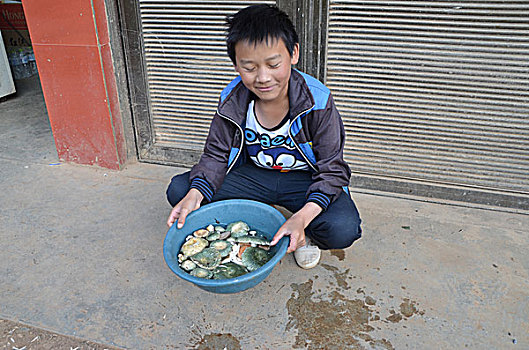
(249, 69)
(275, 65)
(285, 160)
(265, 159)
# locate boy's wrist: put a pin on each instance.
(203, 187)
(196, 194)
(307, 213)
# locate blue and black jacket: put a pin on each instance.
(315, 127)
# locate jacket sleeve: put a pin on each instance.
(328, 140)
(208, 174)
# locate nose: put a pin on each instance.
(263, 75)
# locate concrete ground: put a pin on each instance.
(81, 256)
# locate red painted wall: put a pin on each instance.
(72, 49)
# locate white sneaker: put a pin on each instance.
(308, 256)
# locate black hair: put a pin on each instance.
(257, 24)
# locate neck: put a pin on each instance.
(271, 113)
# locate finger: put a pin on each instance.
(173, 216)
(171, 220)
(182, 218)
(277, 237)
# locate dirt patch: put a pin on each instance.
(339, 253)
(19, 336)
(338, 323)
(218, 341)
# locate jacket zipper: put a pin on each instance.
(242, 141)
(295, 143)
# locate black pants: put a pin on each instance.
(336, 228)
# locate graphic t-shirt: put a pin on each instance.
(271, 148)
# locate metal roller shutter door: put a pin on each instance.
(186, 66)
(434, 91)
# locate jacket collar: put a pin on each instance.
(299, 95)
(236, 103)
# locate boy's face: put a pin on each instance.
(265, 68)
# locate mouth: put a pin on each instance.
(265, 88)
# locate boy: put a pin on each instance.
(276, 138)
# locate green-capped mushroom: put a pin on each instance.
(219, 228)
(252, 240)
(201, 273)
(193, 246)
(229, 270)
(253, 258)
(238, 228)
(213, 236)
(188, 265)
(209, 258)
(224, 247)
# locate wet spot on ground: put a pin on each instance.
(331, 322)
(339, 253)
(204, 335)
(394, 317)
(370, 300)
(341, 277)
(407, 308)
(334, 320)
(218, 341)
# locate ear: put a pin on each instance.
(295, 55)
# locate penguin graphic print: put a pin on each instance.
(271, 148)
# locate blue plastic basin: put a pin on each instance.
(258, 216)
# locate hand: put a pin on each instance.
(188, 204)
(295, 228)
